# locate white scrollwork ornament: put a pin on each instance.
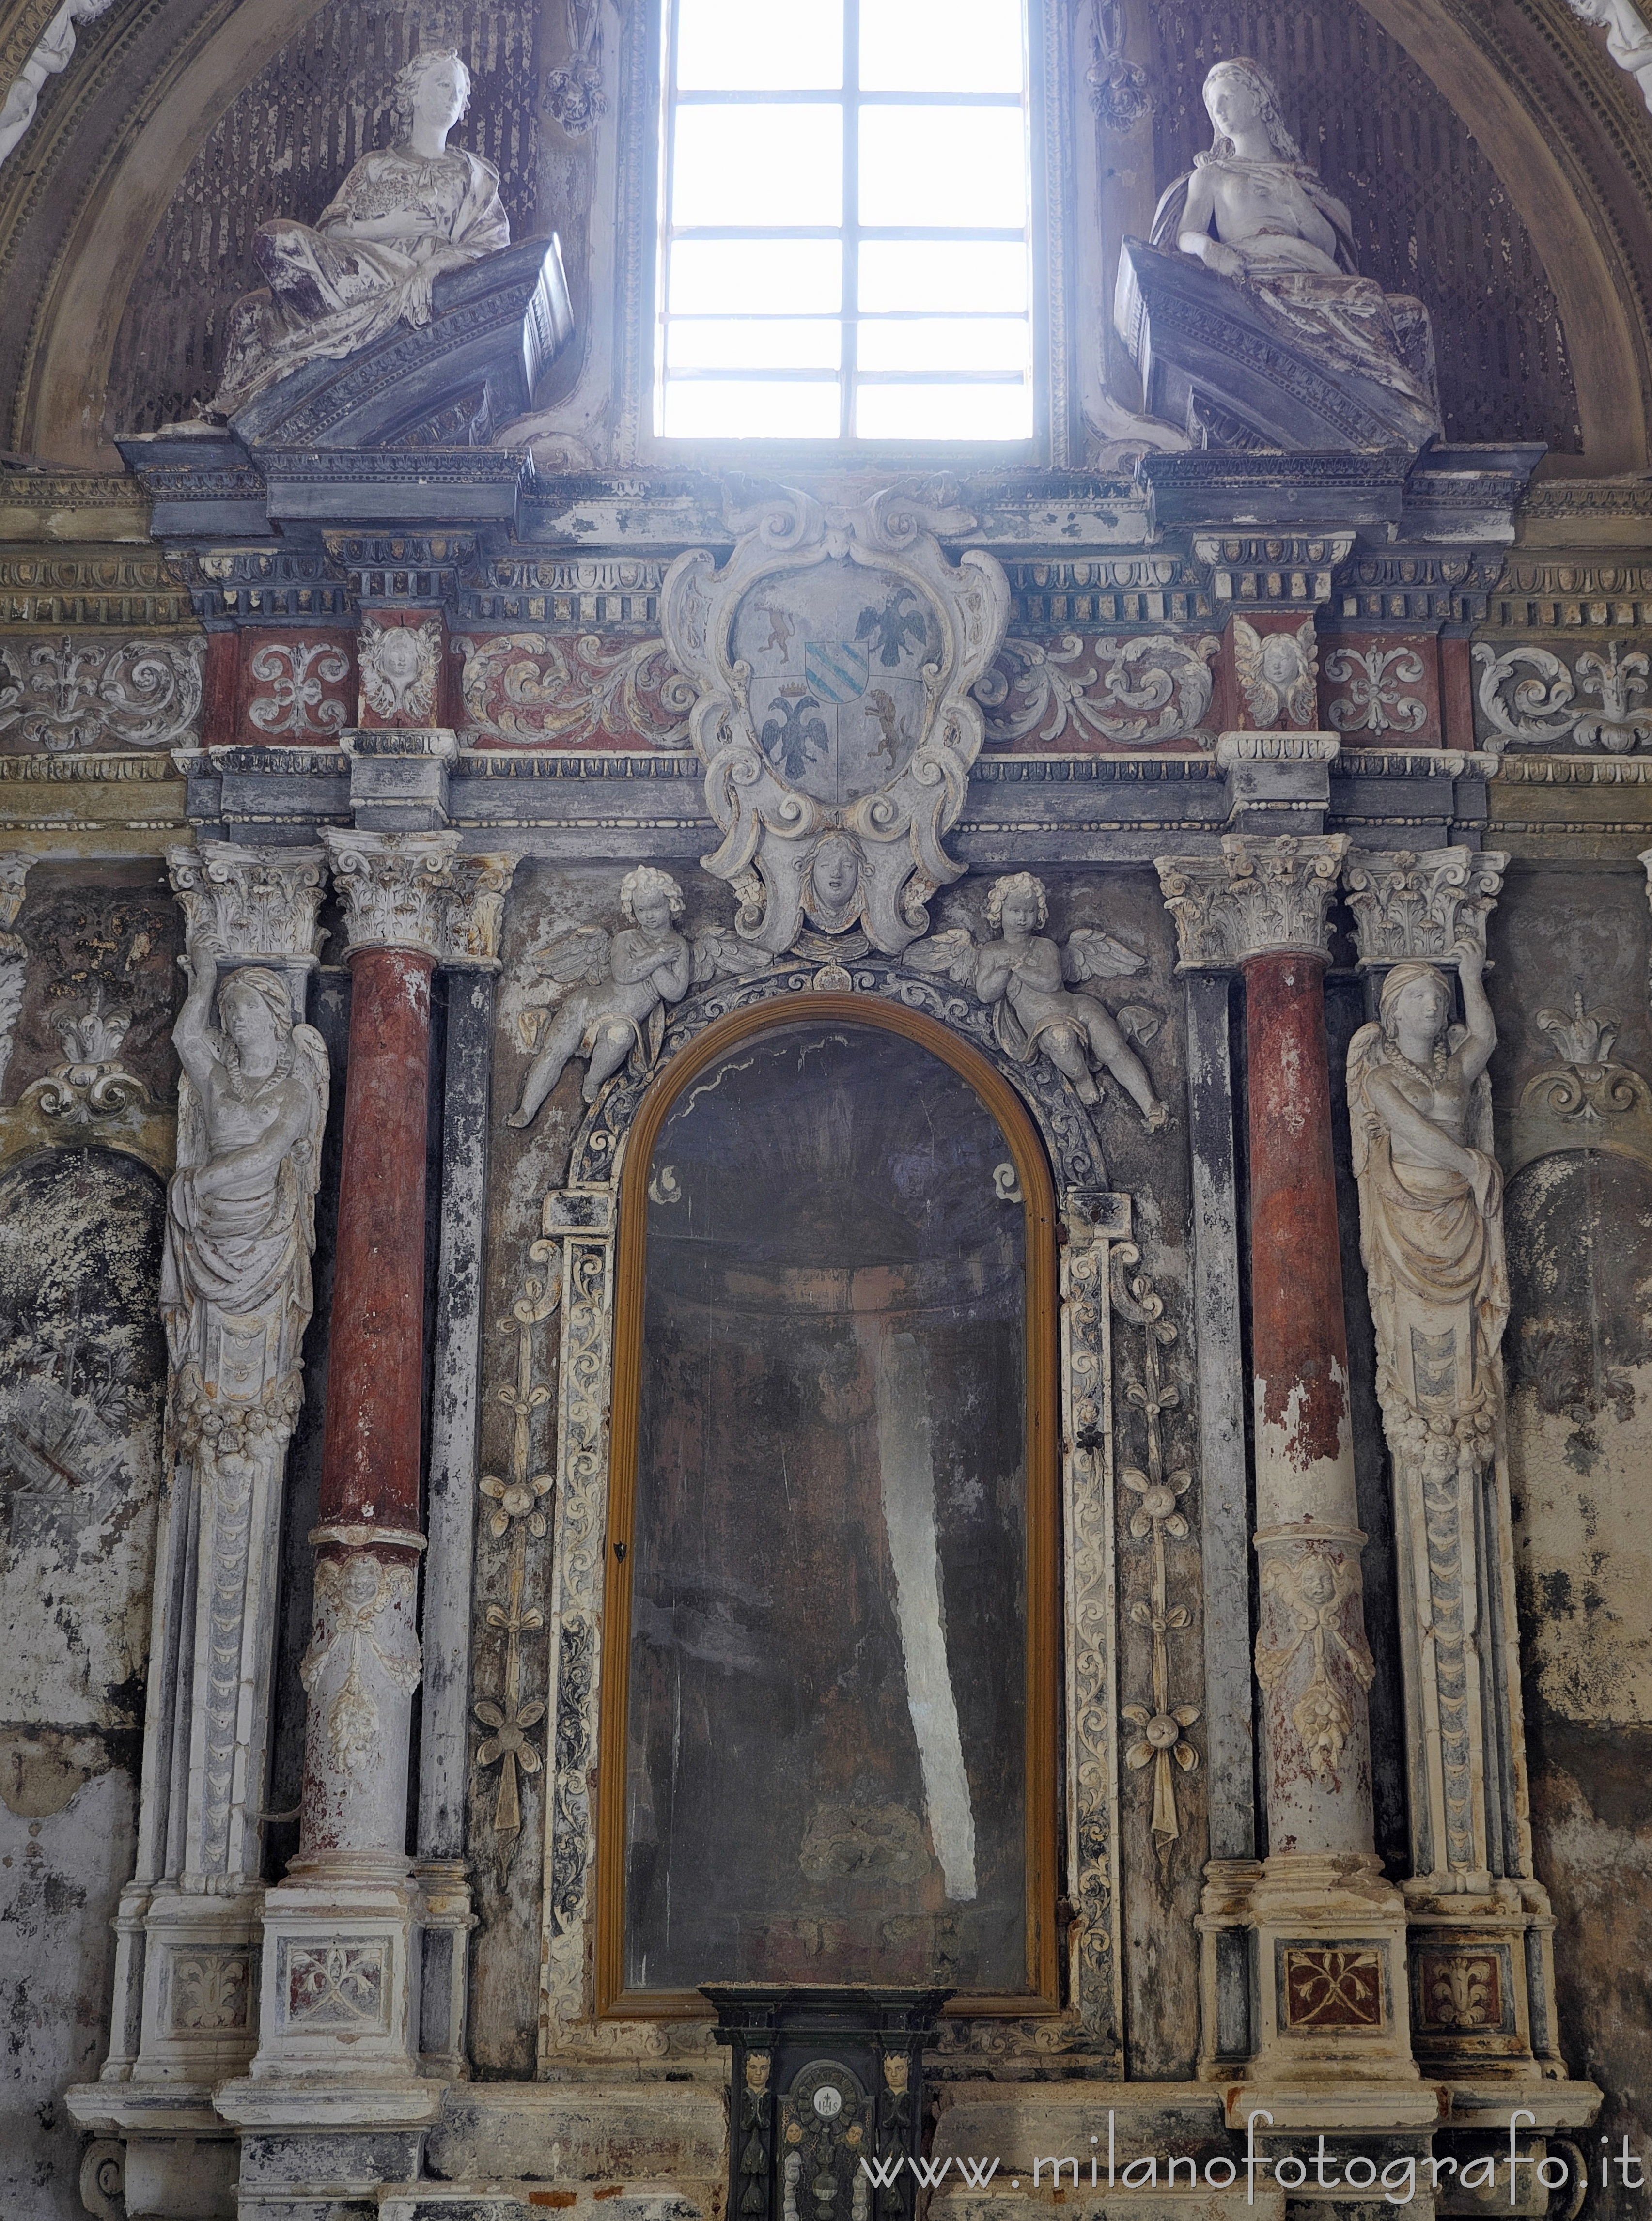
(67, 695)
(834, 657)
(1542, 708)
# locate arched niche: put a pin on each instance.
(109, 155)
(828, 1739)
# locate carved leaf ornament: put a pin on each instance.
(833, 659)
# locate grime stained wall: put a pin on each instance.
(1571, 942)
(82, 1383)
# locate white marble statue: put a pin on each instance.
(1030, 983)
(51, 54)
(240, 1217)
(405, 215)
(1629, 40)
(1252, 209)
(1430, 1192)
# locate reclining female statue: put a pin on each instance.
(404, 213)
(1252, 210)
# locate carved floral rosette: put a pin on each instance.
(830, 639)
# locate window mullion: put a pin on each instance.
(851, 216)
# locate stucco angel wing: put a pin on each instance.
(580, 959)
(1365, 1054)
(1091, 955)
(953, 954)
(719, 954)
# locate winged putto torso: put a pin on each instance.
(1036, 990)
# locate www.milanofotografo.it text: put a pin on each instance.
(1398, 2179)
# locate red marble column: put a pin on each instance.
(363, 1664)
(1312, 1653)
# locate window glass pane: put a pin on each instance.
(759, 45)
(945, 343)
(941, 273)
(747, 409)
(943, 412)
(956, 167)
(763, 343)
(759, 165)
(939, 45)
(789, 277)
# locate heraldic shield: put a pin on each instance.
(833, 658)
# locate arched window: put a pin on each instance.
(845, 196)
(829, 1651)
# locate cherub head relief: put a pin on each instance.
(651, 899)
(398, 669)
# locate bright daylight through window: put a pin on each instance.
(845, 253)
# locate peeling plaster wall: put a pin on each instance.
(82, 1378)
(1580, 1361)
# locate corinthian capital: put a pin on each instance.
(1258, 898)
(474, 911)
(395, 887)
(1421, 907)
(256, 906)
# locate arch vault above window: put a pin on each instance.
(845, 204)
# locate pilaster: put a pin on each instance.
(1330, 2006)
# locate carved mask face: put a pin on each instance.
(397, 656)
(1317, 1583)
(836, 874)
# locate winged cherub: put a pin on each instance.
(606, 992)
(1030, 982)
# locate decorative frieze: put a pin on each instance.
(1272, 569)
(297, 688)
(1421, 908)
(43, 588)
(1256, 897)
(529, 688)
(14, 953)
(1128, 693)
(1530, 697)
(78, 694)
(267, 585)
(590, 593)
(1379, 689)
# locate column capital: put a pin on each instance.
(1421, 906)
(1255, 898)
(474, 911)
(394, 887)
(258, 905)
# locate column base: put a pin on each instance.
(1331, 2001)
(1481, 1981)
(340, 1978)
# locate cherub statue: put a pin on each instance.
(601, 995)
(1030, 981)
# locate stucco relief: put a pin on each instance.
(1036, 991)
(1532, 698)
(833, 657)
(71, 694)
